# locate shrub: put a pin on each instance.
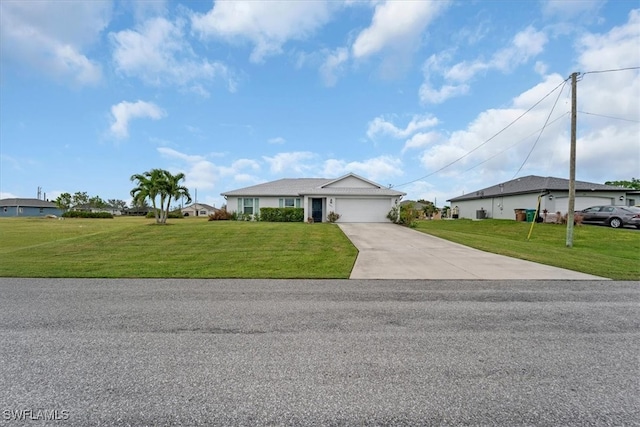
(84, 214)
(220, 215)
(406, 217)
(333, 217)
(282, 214)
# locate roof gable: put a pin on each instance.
(351, 180)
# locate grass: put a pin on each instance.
(185, 248)
(196, 248)
(597, 250)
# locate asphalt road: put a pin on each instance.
(356, 352)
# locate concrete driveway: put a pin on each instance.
(389, 251)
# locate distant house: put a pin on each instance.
(113, 210)
(198, 209)
(28, 207)
(500, 201)
(354, 198)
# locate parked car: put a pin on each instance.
(613, 216)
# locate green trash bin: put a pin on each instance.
(531, 215)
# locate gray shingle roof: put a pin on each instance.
(281, 187)
(27, 203)
(307, 186)
(200, 206)
(534, 184)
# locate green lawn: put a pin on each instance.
(602, 251)
(196, 248)
(189, 248)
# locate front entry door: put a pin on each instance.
(316, 210)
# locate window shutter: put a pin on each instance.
(240, 207)
(281, 203)
(256, 204)
(297, 203)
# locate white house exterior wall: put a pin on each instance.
(504, 207)
(264, 202)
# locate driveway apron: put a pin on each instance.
(389, 251)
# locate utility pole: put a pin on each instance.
(572, 162)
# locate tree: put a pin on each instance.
(148, 187)
(174, 191)
(117, 203)
(160, 187)
(64, 201)
(80, 198)
(96, 202)
(429, 208)
(634, 183)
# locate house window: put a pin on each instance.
(41, 210)
(290, 202)
(248, 206)
(203, 212)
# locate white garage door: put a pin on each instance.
(363, 210)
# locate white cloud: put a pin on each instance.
(395, 24)
(50, 36)
(380, 126)
(375, 169)
(293, 162)
(5, 195)
(277, 140)
(525, 45)
(420, 140)
(616, 49)
(158, 53)
(570, 9)
(267, 25)
(333, 65)
(203, 174)
(125, 111)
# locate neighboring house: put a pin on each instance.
(137, 211)
(633, 197)
(354, 198)
(198, 209)
(500, 201)
(28, 207)
(113, 210)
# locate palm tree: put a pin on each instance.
(149, 186)
(159, 183)
(174, 191)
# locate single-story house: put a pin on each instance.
(198, 209)
(113, 210)
(353, 197)
(500, 201)
(28, 207)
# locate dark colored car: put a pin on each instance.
(613, 216)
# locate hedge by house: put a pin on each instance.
(282, 214)
(85, 214)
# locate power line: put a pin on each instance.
(611, 71)
(609, 117)
(513, 145)
(540, 134)
(488, 140)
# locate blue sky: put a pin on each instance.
(239, 93)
